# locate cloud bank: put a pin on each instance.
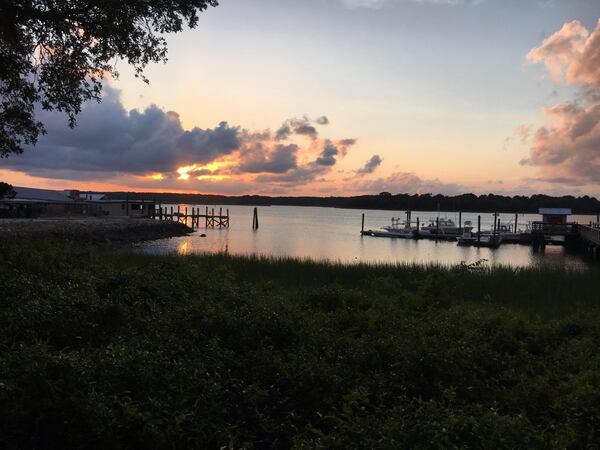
(567, 149)
(151, 149)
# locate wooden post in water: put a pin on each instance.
(171, 213)
(418, 227)
(186, 216)
(255, 219)
(460, 227)
(362, 226)
(478, 228)
(516, 222)
(220, 217)
(437, 226)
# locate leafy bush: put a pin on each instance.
(117, 350)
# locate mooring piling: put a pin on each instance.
(255, 219)
(362, 227)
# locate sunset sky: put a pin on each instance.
(340, 97)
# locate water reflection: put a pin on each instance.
(333, 234)
(184, 247)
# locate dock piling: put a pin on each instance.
(478, 229)
(362, 227)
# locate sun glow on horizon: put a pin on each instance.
(209, 171)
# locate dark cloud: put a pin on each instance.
(108, 141)
(300, 175)
(256, 159)
(302, 126)
(306, 130)
(283, 132)
(370, 165)
(327, 155)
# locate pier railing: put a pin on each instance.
(553, 229)
(210, 218)
(589, 233)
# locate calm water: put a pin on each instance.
(334, 234)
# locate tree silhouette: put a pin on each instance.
(5, 189)
(55, 53)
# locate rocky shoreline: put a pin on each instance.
(92, 229)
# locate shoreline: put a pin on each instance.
(94, 229)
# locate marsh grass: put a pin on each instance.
(105, 348)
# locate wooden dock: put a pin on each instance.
(590, 233)
(589, 236)
(194, 217)
(542, 234)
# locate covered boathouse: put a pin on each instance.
(30, 203)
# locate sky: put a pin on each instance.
(344, 97)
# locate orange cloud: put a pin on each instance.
(567, 149)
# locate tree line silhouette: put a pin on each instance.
(388, 201)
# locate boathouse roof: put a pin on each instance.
(39, 195)
(555, 211)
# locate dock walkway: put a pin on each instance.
(210, 219)
(591, 234)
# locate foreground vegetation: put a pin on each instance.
(116, 350)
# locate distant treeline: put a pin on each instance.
(387, 201)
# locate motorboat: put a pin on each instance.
(466, 239)
(445, 226)
(398, 229)
(508, 232)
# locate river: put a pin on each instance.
(334, 234)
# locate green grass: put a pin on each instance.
(110, 349)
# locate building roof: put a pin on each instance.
(94, 196)
(42, 195)
(555, 211)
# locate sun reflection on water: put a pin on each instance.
(184, 248)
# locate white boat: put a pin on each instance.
(397, 229)
(507, 231)
(466, 239)
(404, 234)
(445, 226)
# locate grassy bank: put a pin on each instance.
(92, 229)
(115, 350)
